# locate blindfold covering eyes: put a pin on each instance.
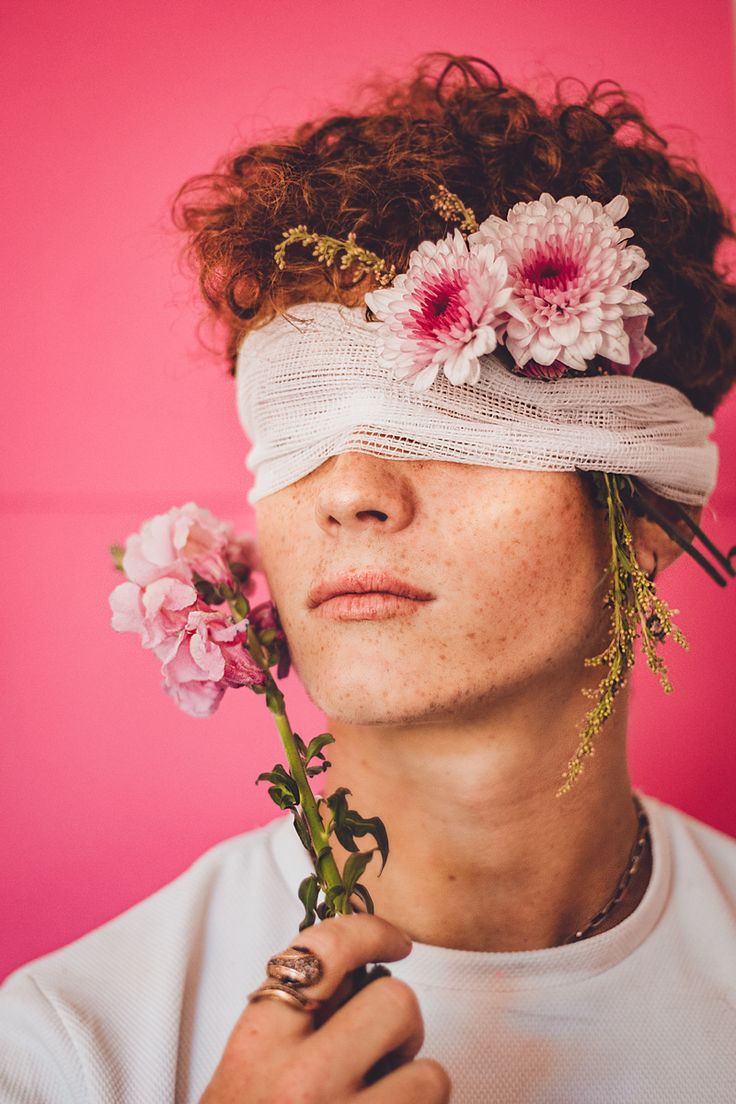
(309, 386)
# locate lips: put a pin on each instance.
(365, 582)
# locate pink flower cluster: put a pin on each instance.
(173, 564)
(550, 282)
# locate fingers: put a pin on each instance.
(383, 1018)
(342, 943)
(423, 1081)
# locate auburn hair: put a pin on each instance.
(454, 121)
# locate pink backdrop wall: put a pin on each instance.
(112, 412)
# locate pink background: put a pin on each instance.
(113, 412)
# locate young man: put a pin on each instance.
(439, 612)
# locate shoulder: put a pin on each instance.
(165, 916)
(126, 987)
(699, 847)
(700, 861)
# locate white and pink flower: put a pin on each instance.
(190, 622)
(550, 282)
(443, 312)
(185, 540)
(205, 658)
(155, 611)
(570, 267)
(639, 344)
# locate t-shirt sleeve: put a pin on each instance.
(38, 1061)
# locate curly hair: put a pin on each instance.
(372, 173)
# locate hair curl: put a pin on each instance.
(493, 144)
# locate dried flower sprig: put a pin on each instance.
(327, 248)
(449, 206)
(635, 609)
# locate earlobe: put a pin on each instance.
(652, 575)
(655, 549)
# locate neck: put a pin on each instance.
(483, 856)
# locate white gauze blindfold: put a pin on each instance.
(313, 388)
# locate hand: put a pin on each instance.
(280, 1055)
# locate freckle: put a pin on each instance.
(452, 877)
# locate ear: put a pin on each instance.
(652, 545)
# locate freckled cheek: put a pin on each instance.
(287, 579)
(511, 585)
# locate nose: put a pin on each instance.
(360, 491)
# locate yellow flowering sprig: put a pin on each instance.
(635, 608)
(326, 250)
(449, 206)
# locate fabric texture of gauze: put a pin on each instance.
(310, 386)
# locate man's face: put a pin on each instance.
(512, 561)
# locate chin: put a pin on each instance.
(382, 698)
(376, 697)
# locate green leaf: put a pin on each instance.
(354, 867)
(333, 893)
(345, 836)
(337, 802)
(365, 896)
(303, 832)
(331, 897)
(268, 776)
(300, 744)
(282, 797)
(308, 892)
(282, 777)
(317, 744)
(374, 826)
(311, 771)
(338, 797)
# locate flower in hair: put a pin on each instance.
(639, 344)
(443, 312)
(570, 267)
(549, 282)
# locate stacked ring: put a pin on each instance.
(287, 972)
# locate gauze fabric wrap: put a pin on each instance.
(313, 388)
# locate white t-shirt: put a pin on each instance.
(138, 1011)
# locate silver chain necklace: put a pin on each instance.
(634, 859)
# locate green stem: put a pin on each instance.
(327, 870)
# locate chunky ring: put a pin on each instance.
(288, 972)
(284, 992)
(297, 966)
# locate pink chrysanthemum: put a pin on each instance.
(443, 312)
(569, 266)
(639, 344)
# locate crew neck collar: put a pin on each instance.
(433, 966)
